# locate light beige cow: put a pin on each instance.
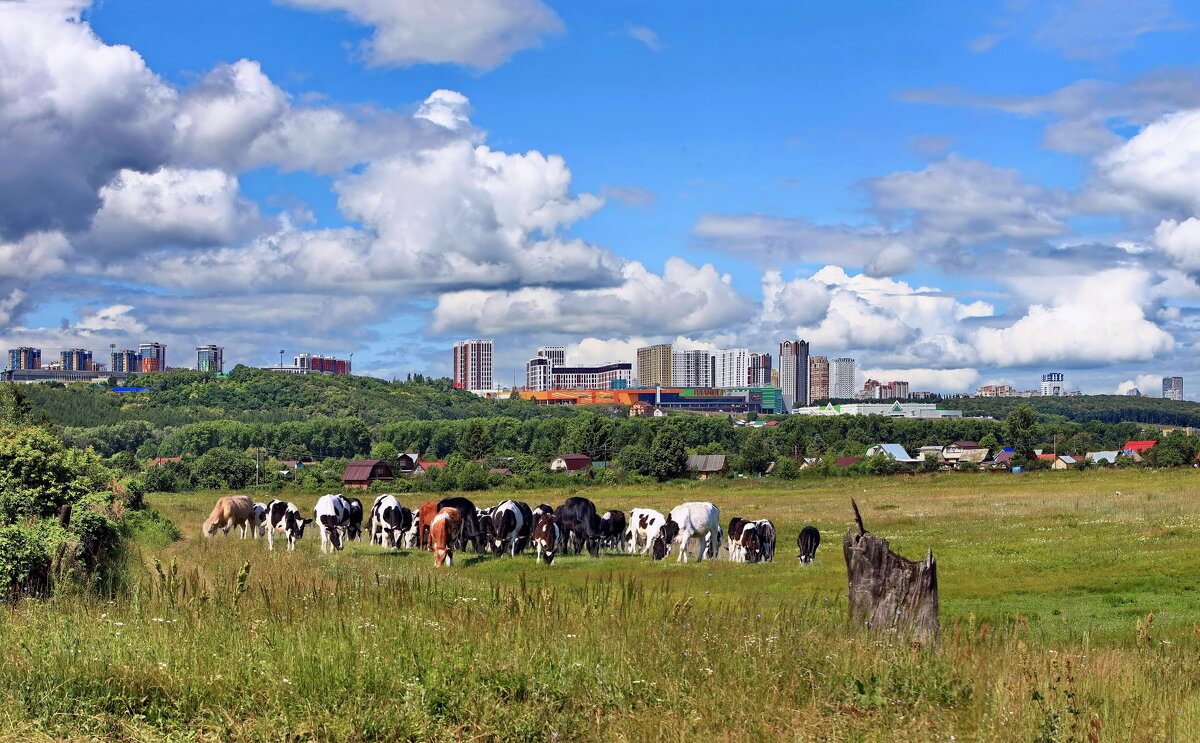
(230, 511)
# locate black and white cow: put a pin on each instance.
(546, 538)
(354, 523)
(644, 524)
(284, 518)
(541, 509)
(579, 522)
(766, 533)
(526, 531)
(259, 520)
(389, 522)
(687, 521)
(507, 523)
(808, 541)
(332, 515)
(470, 523)
(736, 525)
(612, 529)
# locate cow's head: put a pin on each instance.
(664, 539)
(335, 536)
(300, 527)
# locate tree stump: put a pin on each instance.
(64, 516)
(889, 593)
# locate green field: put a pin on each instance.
(1046, 584)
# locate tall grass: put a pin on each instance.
(223, 641)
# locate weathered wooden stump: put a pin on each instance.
(889, 593)
(64, 516)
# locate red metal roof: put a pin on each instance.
(847, 461)
(361, 470)
(1045, 456)
(426, 464)
(1139, 446)
(575, 461)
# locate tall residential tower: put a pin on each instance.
(473, 365)
(793, 373)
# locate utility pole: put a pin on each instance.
(257, 463)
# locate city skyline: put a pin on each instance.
(965, 196)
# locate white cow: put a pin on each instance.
(642, 528)
(698, 520)
(332, 514)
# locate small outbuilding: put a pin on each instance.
(571, 463)
(707, 466)
(362, 472)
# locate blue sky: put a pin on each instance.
(953, 193)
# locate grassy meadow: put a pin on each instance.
(1047, 583)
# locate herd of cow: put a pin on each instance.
(455, 524)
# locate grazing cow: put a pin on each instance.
(425, 516)
(285, 518)
(736, 525)
(545, 538)
(389, 521)
(410, 536)
(644, 524)
(543, 508)
(612, 527)
(354, 523)
(443, 533)
(696, 519)
(483, 528)
(580, 524)
(750, 542)
(257, 525)
(470, 522)
(766, 532)
(230, 511)
(332, 514)
(808, 541)
(507, 523)
(526, 530)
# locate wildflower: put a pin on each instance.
(289, 683)
(706, 593)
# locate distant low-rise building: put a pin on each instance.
(896, 409)
(571, 463)
(362, 472)
(707, 466)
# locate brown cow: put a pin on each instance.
(444, 532)
(425, 516)
(230, 511)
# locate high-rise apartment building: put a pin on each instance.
(473, 364)
(1053, 385)
(125, 361)
(691, 368)
(760, 370)
(25, 357)
(731, 368)
(1173, 388)
(818, 378)
(841, 379)
(76, 359)
(153, 356)
(210, 359)
(556, 354)
(654, 365)
(793, 373)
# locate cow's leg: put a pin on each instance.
(271, 540)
